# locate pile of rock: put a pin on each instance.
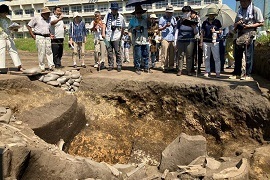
(67, 80)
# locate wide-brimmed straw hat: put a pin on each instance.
(138, 10)
(154, 16)
(169, 9)
(212, 11)
(45, 10)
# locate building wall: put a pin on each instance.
(24, 10)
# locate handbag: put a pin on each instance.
(246, 38)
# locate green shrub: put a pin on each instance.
(28, 44)
(263, 40)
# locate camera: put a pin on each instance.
(141, 29)
(113, 28)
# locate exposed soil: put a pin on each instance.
(133, 118)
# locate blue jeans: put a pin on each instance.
(153, 59)
(141, 53)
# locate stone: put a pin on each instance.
(41, 78)
(54, 83)
(211, 163)
(78, 80)
(124, 168)
(6, 117)
(76, 84)
(34, 70)
(75, 75)
(193, 170)
(138, 173)
(238, 172)
(60, 144)
(114, 171)
(58, 72)
(182, 151)
(67, 73)
(62, 80)
(50, 77)
(70, 81)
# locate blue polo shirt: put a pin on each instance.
(207, 26)
(168, 33)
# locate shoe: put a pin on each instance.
(75, 66)
(110, 68)
(242, 78)
(138, 72)
(189, 74)
(119, 69)
(248, 78)
(217, 75)
(51, 68)
(206, 75)
(96, 66)
(234, 77)
(84, 66)
(179, 73)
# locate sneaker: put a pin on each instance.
(248, 78)
(83, 65)
(232, 77)
(51, 68)
(119, 69)
(206, 75)
(179, 73)
(110, 68)
(96, 66)
(75, 66)
(138, 72)
(217, 75)
(242, 78)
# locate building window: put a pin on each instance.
(194, 2)
(29, 11)
(88, 8)
(210, 1)
(88, 20)
(103, 7)
(130, 8)
(178, 3)
(66, 22)
(147, 6)
(161, 4)
(65, 10)
(18, 12)
(76, 8)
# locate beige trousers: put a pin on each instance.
(79, 47)
(44, 48)
(167, 54)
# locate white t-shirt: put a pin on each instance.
(117, 21)
(58, 29)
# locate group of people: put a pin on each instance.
(168, 39)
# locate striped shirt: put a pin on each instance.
(77, 31)
(118, 22)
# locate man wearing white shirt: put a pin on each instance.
(58, 31)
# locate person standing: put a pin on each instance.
(167, 25)
(211, 28)
(112, 31)
(248, 19)
(77, 37)
(42, 36)
(185, 39)
(58, 32)
(126, 46)
(5, 40)
(96, 27)
(138, 26)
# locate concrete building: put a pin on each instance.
(23, 10)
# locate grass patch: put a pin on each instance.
(263, 40)
(28, 44)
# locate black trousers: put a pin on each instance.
(57, 49)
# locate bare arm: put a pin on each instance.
(57, 20)
(31, 32)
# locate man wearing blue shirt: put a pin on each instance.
(167, 25)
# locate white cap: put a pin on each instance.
(75, 14)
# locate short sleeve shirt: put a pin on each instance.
(40, 25)
(207, 26)
(139, 37)
(58, 29)
(167, 33)
(117, 22)
(258, 18)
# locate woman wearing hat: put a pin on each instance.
(138, 26)
(211, 28)
(77, 37)
(5, 41)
